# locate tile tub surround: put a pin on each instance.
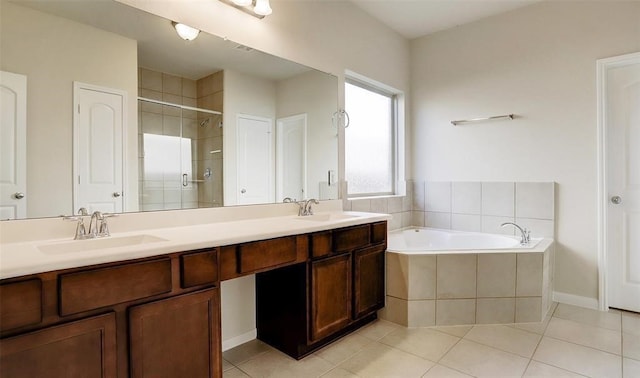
(483, 206)
(469, 288)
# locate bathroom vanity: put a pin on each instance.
(160, 315)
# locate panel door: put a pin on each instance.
(291, 158)
(368, 279)
(13, 146)
(177, 337)
(255, 168)
(623, 182)
(85, 348)
(330, 295)
(98, 162)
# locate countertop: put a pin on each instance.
(31, 257)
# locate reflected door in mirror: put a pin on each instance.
(13, 145)
(291, 157)
(98, 126)
(255, 160)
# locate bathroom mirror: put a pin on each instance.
(220, 124)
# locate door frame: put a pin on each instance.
(280, 151)
(77, 87)
(602, 65)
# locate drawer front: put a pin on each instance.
(379, 232)
(346, 239)
(199, 268)
(20, 304)
(268, 253)
(88, 290)
(321, 243)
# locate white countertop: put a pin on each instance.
(30, 257)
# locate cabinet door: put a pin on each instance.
(368, 280)
(177, 337)
(330, 295)
(85, 348)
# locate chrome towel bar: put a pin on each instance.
(456, 123)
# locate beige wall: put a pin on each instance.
(53, 53)
(539, 63)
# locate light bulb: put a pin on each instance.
(262, 8)
(186, 32)
(242, 3)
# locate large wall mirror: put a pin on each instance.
(105, 107)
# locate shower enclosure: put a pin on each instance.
(180, 156)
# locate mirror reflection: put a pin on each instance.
(105, 107)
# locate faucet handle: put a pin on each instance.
(83, 211)
(104, 226)
(81, 232)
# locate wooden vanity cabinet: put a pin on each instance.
(330, 293)
(152, 317)
(83, 348)
(304, 307)
(177, 336)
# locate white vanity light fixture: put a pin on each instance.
(186, 32)
(256, 8)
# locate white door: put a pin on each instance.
(622, 125)
(291, 157)
(99, 121)
(254, 160)
(13, 146)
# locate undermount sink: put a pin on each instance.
(326, 217)
(94, 244)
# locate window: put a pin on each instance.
(370, 140)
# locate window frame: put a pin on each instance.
(393, 137)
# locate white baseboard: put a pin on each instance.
(575, 300)
(238, 340)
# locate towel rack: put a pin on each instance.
(456, 123)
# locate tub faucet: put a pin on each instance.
(526, 234)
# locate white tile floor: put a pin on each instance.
(574, 342)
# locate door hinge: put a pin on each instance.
(78, 108)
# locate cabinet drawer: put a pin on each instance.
(263, 254)
(379, 232)
(351, 238)
(321, 243)
(88, 290)
(20, 304)
(199, 268)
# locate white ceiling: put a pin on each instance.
(416, 18)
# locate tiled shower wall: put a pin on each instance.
(159, 191)
(469, 206)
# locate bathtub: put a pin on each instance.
(444, 277)
(425, 240)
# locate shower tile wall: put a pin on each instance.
(162, 192)
(209, 155)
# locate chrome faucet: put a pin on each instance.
(304, 207)
(97, 228)
(93, 228)
(307, 206)
(526, 234)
